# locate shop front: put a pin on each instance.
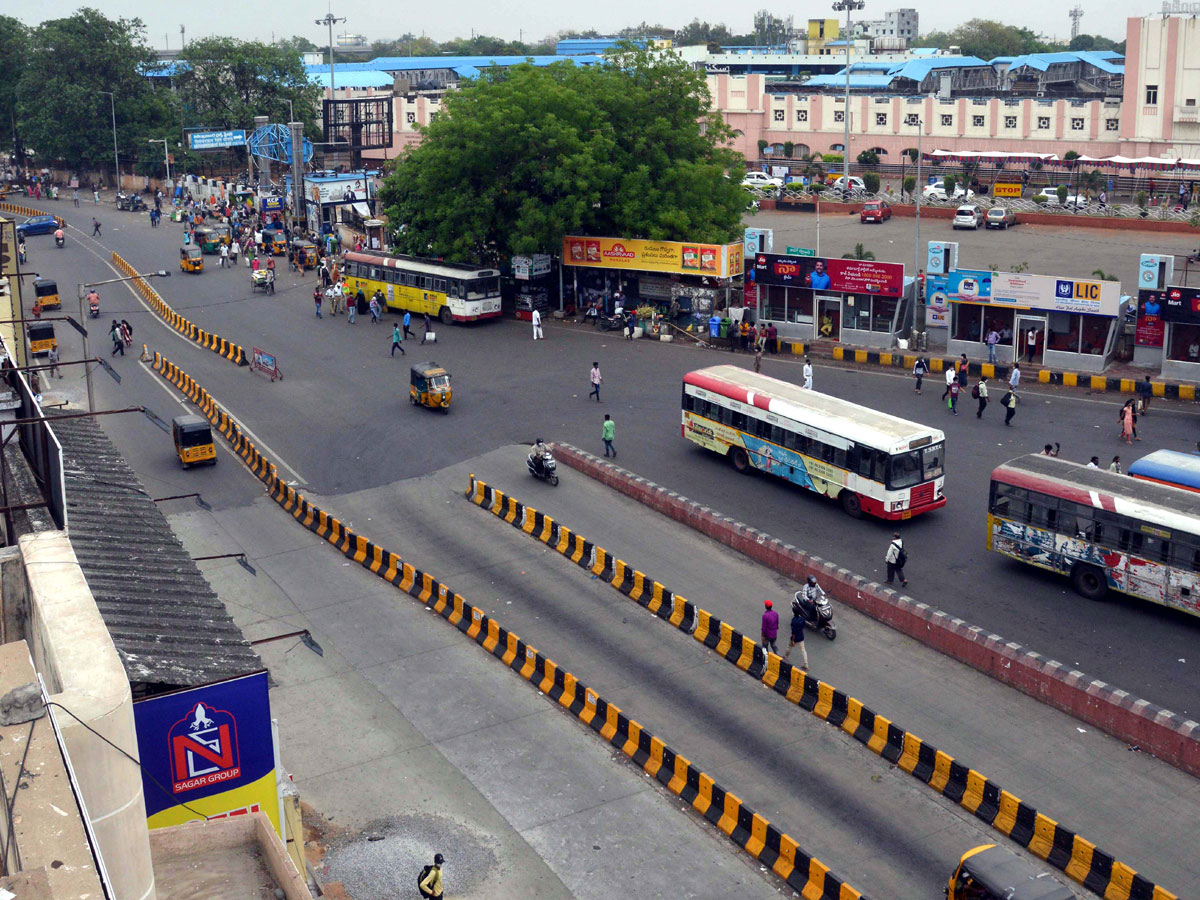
(1180, 313)
(860, 302)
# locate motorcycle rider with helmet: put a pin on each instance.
(813, 605)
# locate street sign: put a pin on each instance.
(800, 251)
(216, 140)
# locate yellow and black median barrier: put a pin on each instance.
(750, 831)
(235, 353)
(1044, 837)
(29, 212)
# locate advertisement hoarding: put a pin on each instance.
(715, 260)
(851, 276)
(1182, 305)
(216, 140)
(1072, 295)
(1151, 326)
(520, 267)
(353, 188)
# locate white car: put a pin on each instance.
(968, 216)
(761, 180)
(938, 192)
(1049, 195)
(856, 184)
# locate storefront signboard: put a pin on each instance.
(631, 254)
(1049, 292)
(851, 276)
(1180, 304)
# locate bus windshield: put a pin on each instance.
(914, 467)
(478, 288)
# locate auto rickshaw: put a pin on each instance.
(46, 293)
(224, 233)
(190, 259)
(206, 239)
(306, 253)
(429, 385)
(989, 872)
(41, 337)
(193, 440)
(273, 242)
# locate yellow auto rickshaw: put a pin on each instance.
(193, 440)
(46, 293)
(273, 242)
(429, 385)
(306, 253)
(190, 259)
(41, 337)
(223, 232)
(206, 239)
(989, 872)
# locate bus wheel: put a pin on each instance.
(851, 504)
(740, 460)
(1089, 581)
(445, 316)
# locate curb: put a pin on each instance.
(1044, 837)
(1160, 732)
(750, 831)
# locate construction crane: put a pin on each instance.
(1076, 14)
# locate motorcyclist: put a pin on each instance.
(93, 299)
(535, 454)
(808, 599)
(59, 237)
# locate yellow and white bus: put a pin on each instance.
(452, 292)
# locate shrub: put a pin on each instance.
(868, 158)
(871, 182)
(762, 146)
(833, 158)
(910, 184)
(1141, 199)
(788, 148)
(1061, 190)
(1039, 199)
(949, 182)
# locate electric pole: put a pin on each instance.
(329, 20)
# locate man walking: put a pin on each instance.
(608, 431)
(407, 320)
(270, 281)
(895, 559)
(808, 372)
(770, 629)
(951, 378)
(375, 308)
(1009, 402)
(981, 394)
(233, 254)
(428, 328)
(1145, 390)
(352, 306)
(920, 370)
(224, 257)
(430, 882)
(1014, 377)
(95, 228)
(797, 637)
(992, 339)
(596, 379)
(537, 326)
(118, 339)
(952, 389)
(397, 340)
(52, 358)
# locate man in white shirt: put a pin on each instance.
(1014, 378)
(808, 372)
(537, 326)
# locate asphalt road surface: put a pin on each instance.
(340, 422)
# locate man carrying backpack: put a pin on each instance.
(895, 559)
(429, 882)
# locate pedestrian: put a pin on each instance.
(95, 228)
(953, 390)
(375, 308)
(1094, 463)
(233, 254)
(596, 379)
(407, 320)
(270, 281)
(951, 378)
(980, 393)
(758, 359)
(992, 339)
(1051, 451)
(797, 636)
(537, 325)
(428, 329)
(1115, 465)
(920, 370)
(1126, 419)
(772, 338)
(430, 881)
(52, 358)
(352, 305)
(1031, 340)
(127, 333)
(1014, 377)
(895, 558)
(1009, 402)
(75, 196)
(770, 628)
(1145, 390)
(95, 194)
(397, 340)
(964, 370)
(114, 332)
(317, 300)
(608, 431)
(808, 372)
(223, 257)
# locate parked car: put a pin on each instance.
(938, 192)
(875, 211)
(856, 184)
(130, 202)
(38, 225)
(968, 216)
(1049, 196)
(1000, 217)
(761, 180)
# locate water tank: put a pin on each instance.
(351, 40)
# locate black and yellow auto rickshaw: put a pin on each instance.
(41, 337)
(273, 242)
(305, 252)
(989, 872)
(223, 232)
(190, 259)
(429, 385)
(193, 440)
(46, 293)
(206, 239)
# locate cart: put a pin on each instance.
(258, 280)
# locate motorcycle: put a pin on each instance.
(60, 241)
(608, 323)
(94, 309)
(544, 467)
(818, 615)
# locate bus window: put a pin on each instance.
(1075, 519)
(439, 284)
(932, 461)
(1010, 502)
(478, 288)
(1043, 511)
(904, 470)
(454, 288)
(735, 419)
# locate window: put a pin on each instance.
(802, 115)
(1112, 124)
(880, 118)
(977, 121)
(967, 321)
(912, 119)
(1044, 123)
(1010, 502)
(1152, 95)
(1010, 121)
(478, 288)
(1185, 343)
(778, 115)
(836, 148)
(839, 115)
(947, 121)
(1190, 101)
(904, 470)
(439, 284)
(1077, 124)
(410, 117)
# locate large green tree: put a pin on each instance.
(524, 155)
(986, 39)
(61, 111)
(14, 38)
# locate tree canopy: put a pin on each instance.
(986, 39)
(524, 155)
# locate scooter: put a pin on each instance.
(60, 242)
(818, 616)
(544, 468)
(94, 309)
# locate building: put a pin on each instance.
(1162, 91)
(896, 23)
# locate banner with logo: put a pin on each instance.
(1181, 304)
(208, 747)
(1151, 326)
(1073, 295)
(851, 276)
(676, 257)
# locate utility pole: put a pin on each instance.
(112, 102)
(849, 6)
(329, 20)
(917, 286)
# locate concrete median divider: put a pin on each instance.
(1044, 837)
(751, 832)
(235, 353)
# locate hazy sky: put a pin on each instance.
(537, 18)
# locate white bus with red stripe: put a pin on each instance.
(1103, 530)
(869, 461)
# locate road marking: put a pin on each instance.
(182, 401)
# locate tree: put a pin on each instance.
(987, 39)
(14, 38)
(228, 82)
(910, 184)
(297, 44)
(871, 182)
(1095, 42)
(60, 111)
(697, 32)
(813, 167)
(859, 253)
(868, 158)
(1104, 276)
(522, 156)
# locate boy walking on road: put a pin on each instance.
(797, 637)
(430, 882)
(1009, 402)
(770, 628)
(407, 320)
(608, 431)
(596, 379)
(397, 339)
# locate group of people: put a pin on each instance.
(745, 335)
(121, 333)
(957, 377)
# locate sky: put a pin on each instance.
(535, 19)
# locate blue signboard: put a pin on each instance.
(272, 204)
(209, 747)
(216, 140)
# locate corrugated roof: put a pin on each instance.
(1101, 59)
(914, 69)
(408, 63)
(360, 79)
(169, 627)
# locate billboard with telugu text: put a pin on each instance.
(216, 140)
(851, 276)
(632, 254)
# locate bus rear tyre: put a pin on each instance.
(1089, 581)
(740, 460)
(851, 504)
(444, 315)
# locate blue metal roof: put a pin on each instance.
(408, 63)
(166, 69)
(358, 79)
(913, 69)
(585, 46)
(1101, 59)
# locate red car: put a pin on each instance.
(875, 211)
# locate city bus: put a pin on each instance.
(869, 461)
(452, 292)
(1103, 530)
(1181, 470)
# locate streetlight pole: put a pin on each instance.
(849, 6)
(112, 102)
(166, 155)
(87, 370)
(329, 20)
(917, 238)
